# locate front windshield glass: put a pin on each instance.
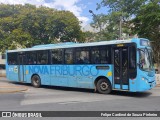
(146, 59)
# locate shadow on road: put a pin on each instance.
(131, 94)
(114, 92)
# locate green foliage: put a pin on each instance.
(147, 25)
(89, 36)
(126, 6)
(147, 21)
(66, 26)
(27, 25)
(119, 14)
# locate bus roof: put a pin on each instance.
(69, 45)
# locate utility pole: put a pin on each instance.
(120, 28)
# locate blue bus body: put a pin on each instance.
(120, 74)
(81, 76)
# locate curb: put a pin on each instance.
(7, 89)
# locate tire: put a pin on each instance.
(103, 86)
(36, 81)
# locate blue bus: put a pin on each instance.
(124, 65)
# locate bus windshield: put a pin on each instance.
(146, 59)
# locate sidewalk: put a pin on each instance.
(8, 87)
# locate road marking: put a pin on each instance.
(66, 97)
(69, 102)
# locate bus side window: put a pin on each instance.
(68, 56)
(42, 57)
(31, 58)
(57, 56)
(95, 55)
(82, 56)
(105, 55)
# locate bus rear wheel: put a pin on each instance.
(103, 86)
(36, 81)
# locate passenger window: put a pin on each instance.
(42, 57)
(68, 56)
(31, 58)
(100, 55)
(95, 55)
(21, 58)
(57, 56)
(105, 55)
(82, 56)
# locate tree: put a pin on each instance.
(129, 7)
(89, 36)
(66, 26)
(27, 25)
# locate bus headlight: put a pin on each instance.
(145, 79)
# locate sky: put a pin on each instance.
(80, 8)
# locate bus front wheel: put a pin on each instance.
(103, 86)
(36, 81)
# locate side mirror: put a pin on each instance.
(140, 65)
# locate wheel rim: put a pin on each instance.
(104, 86)
(35, 81)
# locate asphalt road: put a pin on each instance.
(49, 98)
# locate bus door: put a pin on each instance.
(21, 67)
(120, 59)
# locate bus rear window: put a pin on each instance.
(12, 58)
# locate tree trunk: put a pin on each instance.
(158, 68)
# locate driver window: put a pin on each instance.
(132, 62)
(142, 59)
